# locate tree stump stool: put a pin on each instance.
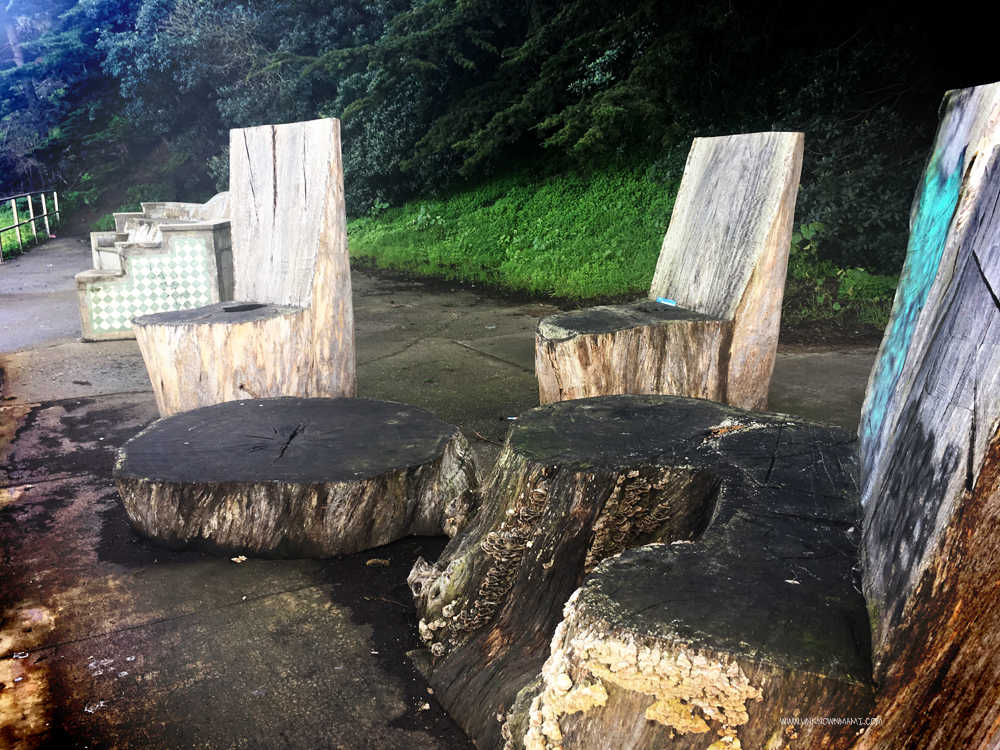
(642, 347)
(295, 477)
(738, 606)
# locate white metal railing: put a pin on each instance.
(32, 216)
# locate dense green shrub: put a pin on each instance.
(818, 289)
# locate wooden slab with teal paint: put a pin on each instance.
(931, 546)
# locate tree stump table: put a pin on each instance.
(295, 477)
(738, 605)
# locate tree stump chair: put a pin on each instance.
(169, 256)
(649, 571)
(294, 477)
(722, 268)
(292, 333)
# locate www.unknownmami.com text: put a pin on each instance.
(864, 721)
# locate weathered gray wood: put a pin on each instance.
(768, 498)
(724, 255)
(279, 177)
(630, 349)
(289, 251)
(930, 453)
(291, 477)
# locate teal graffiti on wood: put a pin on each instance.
(936, 206)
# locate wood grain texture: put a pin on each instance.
(930, 454)
(643, 347)
(291, 477)
(289, 236)
(754, 523)
(732, 210)
(724, 256)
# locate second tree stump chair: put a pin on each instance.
(722, 264)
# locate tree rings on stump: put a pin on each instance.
(715, 536)
(295, 477)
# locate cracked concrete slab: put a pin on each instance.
(517, 349)
(74, 370)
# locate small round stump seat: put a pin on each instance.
(295, 477)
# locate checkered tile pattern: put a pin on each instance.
(153, 283)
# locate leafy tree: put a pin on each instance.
(431, 91)
(192, 69)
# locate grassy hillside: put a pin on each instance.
(569, 235)
(587, 237)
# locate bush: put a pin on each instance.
(817, 289)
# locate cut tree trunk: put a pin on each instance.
(931, 454)
(292, 477)
(643, 347)
(746, 597)
(236, 350)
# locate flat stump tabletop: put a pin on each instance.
(295, 477)
(686, 527)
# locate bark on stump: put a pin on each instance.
(293, 477)
(642, 347)
(745, 609)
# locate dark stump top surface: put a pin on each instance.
(294, 440)
(774, 576)
(609, 432)
(220, 312)
(611, 318)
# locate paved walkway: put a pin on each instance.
(109, 641)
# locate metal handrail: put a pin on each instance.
(32, 216)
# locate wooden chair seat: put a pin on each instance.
(724, 258)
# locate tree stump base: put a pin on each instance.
(727, 599)
(295, 477)
(641, 347)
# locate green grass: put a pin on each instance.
(570, 236)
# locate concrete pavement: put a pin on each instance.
(107, 641)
